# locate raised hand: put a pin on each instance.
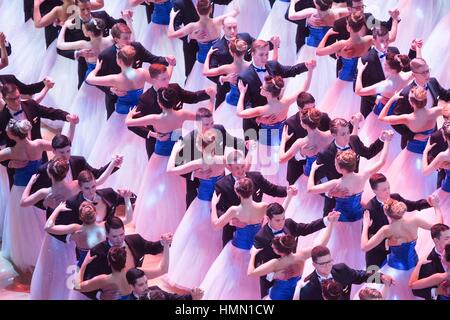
(291, 190)
(171, 60)
(367, 221)
(275, 41)
(242, 87)
(333, 216)
(386, 135)
(311, 64)
(72, 118)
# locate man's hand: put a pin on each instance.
(72, 118)
(171, 60)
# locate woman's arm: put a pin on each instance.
(75, 45)
(434, 165)
(322, 50)
(320, 188)
(29, 200)
(300, 15)
(43, 21)
(434, 280)
(393, 120)
(285, 156)
(365, 91)
(106, 81)
(41, 95)
(139, 122)
(126, 194)
(213, 72)
(246, 113)
(378, 164)
(183, 168)
(381, 234)
(303, 88)
(117, 160)
(262, 270)
(291, 191)
(221, 222)
(97, 4)
(3, 52)
(393, 32)
(50, 226)
(183, 31)
(95, 283)
(163, 266)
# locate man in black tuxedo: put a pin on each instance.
(190, 151)
(381, 188)
(136, 247)
(304, 101)
(228, 197)
(340, 129)
(61, 149)
(254, 76)
(25, 89)
(440, 233)
(148, 102)
(278, 226)
(223, 56)
(30, 10)
(121, 34)
(302, 29)
(137, 279)
(83, 15)
(325, 269)
(375, 59)
(440, 145)
(421, 73)
(26, 110)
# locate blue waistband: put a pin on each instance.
(316, 35)
(379, 107)
(308, 166)
(349, 69)
(270, 135)
(284, 0)
(23, 175)
(203, 49)
(82, 253)
(90, 68)
(350, 208)
(244, 237)
(284, 289)
(416, 146)
(126, 103)
(161, 13)
(206, 188)
(446, 183)
(164, 148)
(232, 96)
(403, 257)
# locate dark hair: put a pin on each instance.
(8, 88)
(77, 2)
(259, 44)
(96, 26)
(244, 187)
(114, 223)
(204, 7)
(127, 55)
(153, 295)
(370, 294)
(347, 160)
(238, 47)
(203, 113)
(338, 122)
(133, 274)
(376, 179)
(356, 21)
(60, 141)
(447, 252)
(117, 257)
(311, 117)
(304, 98)
(380, 31)
(332, 290)
(274, 85)
(319, 251)
(85, 176)
(324, 5)
(394, 209)
(155, 69)
(446, 129)
(398, 62)
(419, 97)
(437, 229)
(274, 209)
(118, 29)
(58, 169)
(285, 244)
(19, 128)
(169, 98)
(87, 212)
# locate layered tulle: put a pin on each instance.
(340, 101)
(225, 114)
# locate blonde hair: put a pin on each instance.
(394, 209)
(347, 160)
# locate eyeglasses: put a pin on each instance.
(324, 263)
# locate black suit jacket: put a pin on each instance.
(26, 89)
(33, 112)
(441, 145)
(76, 164)
(138, 246)
(328, 156)
(148, 104)
(341, 273)
(295, 168)
(167, 295)
(377, 255)
(404, 107)
(228, 197)
(426, 270)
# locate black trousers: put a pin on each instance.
(190, 54)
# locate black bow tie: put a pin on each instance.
(381, 56)
(259, 69)
(343, 149)
(17, 113)
(278, 232)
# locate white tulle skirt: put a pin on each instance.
(340, 101)
(89, 105)
(323, 77)
(115, 139)
(195, 246)
(277, 25)
(23, 232)
(419, 17)
(161, 202)
(50, 276)
(154, 39)
(7, 273)
(4, 194)
(12, 17)
(227, 278)
(252, 15)
(225, 114)
(437, 58)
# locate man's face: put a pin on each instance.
(261, 56)
(443, 240)
(141, 286)
(342, 136)
(116, 237)
(383, 191)
(357, 6)
(85, 11)
(237, 170)
(162, 80)
(382, 43)
(13, 100)
(324, 265)
(124, 40)
(277, 221)
(205, 124)
(230, 28)
(63, 153)
(422, 73)
(88, 189)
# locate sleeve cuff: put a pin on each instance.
(326, 222)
